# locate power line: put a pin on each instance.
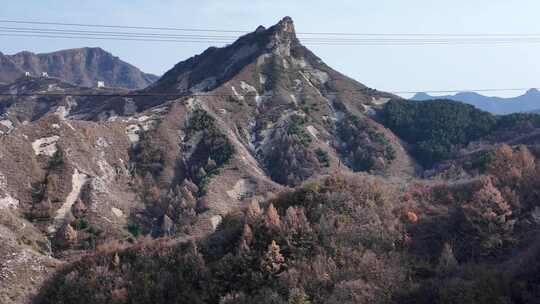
(460, 91)
(49, 30)
(226, 39)
(245, 31)
(331, 39)
(122, 26)
(202, 94)
(109, 38)
(203, 36)
(328, 43)
(420, 34)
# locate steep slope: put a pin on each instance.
(83, 67)
(294, 114)
(221, 128)
(528, 102)
(29, 99)
(341, 239)
(9, 70)
(85, 167)
(265, 254)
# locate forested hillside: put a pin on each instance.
(438, 129)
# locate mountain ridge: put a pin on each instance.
(79, 66)
(527, 102)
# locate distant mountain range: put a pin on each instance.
(82, 67)
(528, 102)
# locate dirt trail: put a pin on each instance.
(77, 181)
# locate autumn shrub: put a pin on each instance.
(487, 217)
(332, 240)
(291, 162)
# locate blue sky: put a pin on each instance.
(392, 68)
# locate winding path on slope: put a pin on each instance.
(77, 181)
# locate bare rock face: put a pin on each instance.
(51, 96)
(213, 67)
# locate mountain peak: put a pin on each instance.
(422, 96)
(282, 37)
(284, 30)
(286, 25)
(533, 91)
(274, 54)
(218, 64)
(467, 94)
